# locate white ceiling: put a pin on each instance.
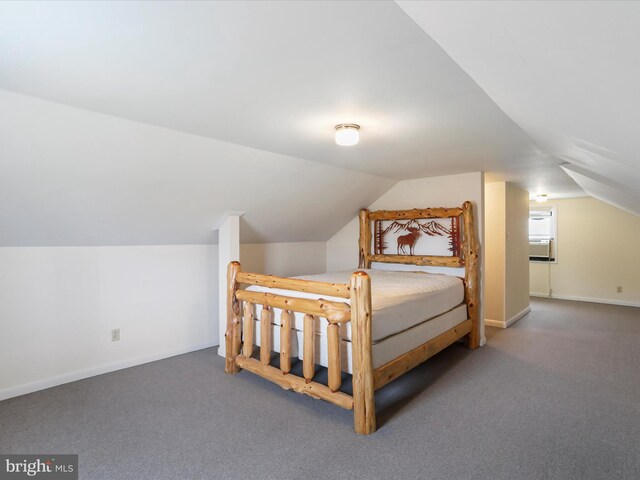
(276, 76)
(568, 73)
(219, 77)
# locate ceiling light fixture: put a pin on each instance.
(347, 134)
(541, 197)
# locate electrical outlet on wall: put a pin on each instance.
(619, 290)
(115, 335)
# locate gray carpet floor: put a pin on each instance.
(556, 396)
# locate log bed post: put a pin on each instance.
(471, 284)
(365, 240)
(232, 334)
(364, 411)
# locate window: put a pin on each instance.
(543, 238)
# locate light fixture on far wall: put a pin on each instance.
(347, 134)
(541, 197)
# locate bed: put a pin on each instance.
(373, 324)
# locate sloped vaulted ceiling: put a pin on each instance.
(72, 177)
(566, 72)
(276, 76)
(151, 119)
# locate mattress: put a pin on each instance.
(392, 347)
(400, 300)
(383, 351)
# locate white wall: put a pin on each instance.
(507, 257)
(517, 252)
(443, 191)
(72, 177)
(596, 252)
(495, 239)
(59, 304)
(284, 259)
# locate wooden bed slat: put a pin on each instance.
(297, 384)
(285, 341)
(247, 346)
(237, 331)
(335, 312)
(295, 284)
(415, 213)
(422, 260)
(309, 345)
(401, 365)
(333, 349)
(266, 316)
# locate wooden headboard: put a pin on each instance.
(463, 239)
(465, 250)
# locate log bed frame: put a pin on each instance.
(366, 380)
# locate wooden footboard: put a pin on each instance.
(357, 311)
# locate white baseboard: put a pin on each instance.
(609, 301)
(518, 316)
(93, 371)
(539, 294)
(509, 321)
(494, 323)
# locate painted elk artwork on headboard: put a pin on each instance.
(405, 243)
(436, 237)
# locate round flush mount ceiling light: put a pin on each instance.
(541, 198)
(347, 134)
